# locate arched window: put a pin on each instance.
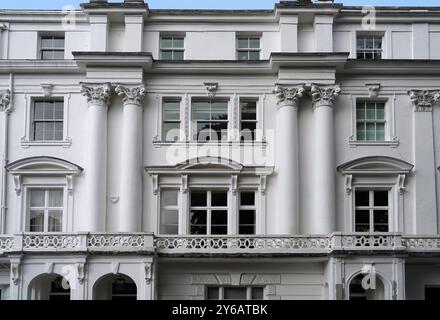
(115, 287)
(49, 287)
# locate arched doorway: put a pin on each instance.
(49, 287)
(357, 291)
(115, 287)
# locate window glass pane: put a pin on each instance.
(380, 220)
(362, 217)
(254, 43)
(254, 55)
(48, 133)
(204, 132)
(371, 111)
(213, 293)
(235, 293)
(219, 230)
(249, 110)
(56, 198)
(37, 198)
(58, 55)
(166, 42)
(362, 199)
(38, 131)
(58, 43)
(49, 110)
(169, 198)
(360, 43)
(369, 42)
(46, 42)
(246, 229)
(219, 110)
(380, 131)
(201, 110)
(219, 198)
(172, 229)
(219, 131)
(243, 55)
(59, 110)
(58, 134)
(55, 221)
(178, 55)
(178, 43)
(371, 131)
(219, 217)
(248, 131)
(38, 110)
(380, 112)
(171, 110)
(247, 198)
(47, 55)
(198, 217)
(171, 131)
(377, 42)
(243, 43)
(247, 217)
(360, 112)
(257, 293)
(36, 221)
(166, 55)
(198, 198)
(169, 217)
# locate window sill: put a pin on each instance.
(220, 143)
(65, 143)
(393, 143)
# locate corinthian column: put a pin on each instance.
(286, 216)
(98, 96)
(130, 209)
(323, 214)
(425, 206)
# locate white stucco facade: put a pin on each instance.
(93, 199)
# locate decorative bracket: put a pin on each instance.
(373, 89)
(69, 180)
(80, 270)
(212, 88)
(15, 272)
(234, 184)
(17, 183)
(401, 181)
(155, 180)
(5, 101)
(148, 272)
(348, 183)
(184, 185)
(47, 89)
(263, 181)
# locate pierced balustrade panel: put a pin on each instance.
(422, 243)
(368, 241)
(51, 242)
(116, 241)
(6, 243)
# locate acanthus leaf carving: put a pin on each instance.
(324, 95)
(131, 94)
(15, 272)
(289, 96)
(212, 88)
(97, 93)
(423, 100)
(5, 101)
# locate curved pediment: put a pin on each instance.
(46, 165)
(210, 163)
(376, 164)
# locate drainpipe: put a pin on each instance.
(5, 158)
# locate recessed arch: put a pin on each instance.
(355, 291)
(115, 287)
(49, 286)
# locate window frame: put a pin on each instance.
(243, 100)
(370, 121)
(253, 208)
(172, 49)
(365, 50)
(41, 49)
(194, 134)
(371, 208)
(163, 120)
(169, 207)
(249, 289)
(33, 121)
(28, 209)
(248, 50)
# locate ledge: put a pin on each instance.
(392, 143)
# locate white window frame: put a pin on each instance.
(391, 139)
(221, 293)
(193, 124)
(249, 208)
(386, 44)
(209, 208)
(26, 140)
(164, 100)
(371, 208)
(33, 120)
(240, 36)
(40, 47)
(46, 208)
(165, 35)
(169, 207)
(374, 51)
(257, 136)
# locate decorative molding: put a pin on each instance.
(184, 185)
(80, 271)
(423, 100)
(234, 184)
(48, 267)
(186, 115)
(47, 89)
(211, 279)
(17, 184)
(5, 101)
(97, 94)
(15, 272)
(131, 94)
(324, 95)
(212, 88)
(69, 183)
(114, 199)
(263, 184)
(373, 89)
(348, 183)
(289, 96)
(155, 181)
(148, 268)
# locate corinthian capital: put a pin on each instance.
(97, 93)
(5, 100)
(289, 96)
(324, 96)
(423, 100)
(132, 95)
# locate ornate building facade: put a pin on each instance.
(220, 154)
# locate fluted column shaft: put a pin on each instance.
(324, 169)
(130, 208)
(285, 219)
(93, 219)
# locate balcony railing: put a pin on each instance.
(220, 245)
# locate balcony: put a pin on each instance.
(147, 243)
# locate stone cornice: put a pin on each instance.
(97, 93)
(324, 95)
(5, 101)
(289, 95)
(131, 94)
(423, 100)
